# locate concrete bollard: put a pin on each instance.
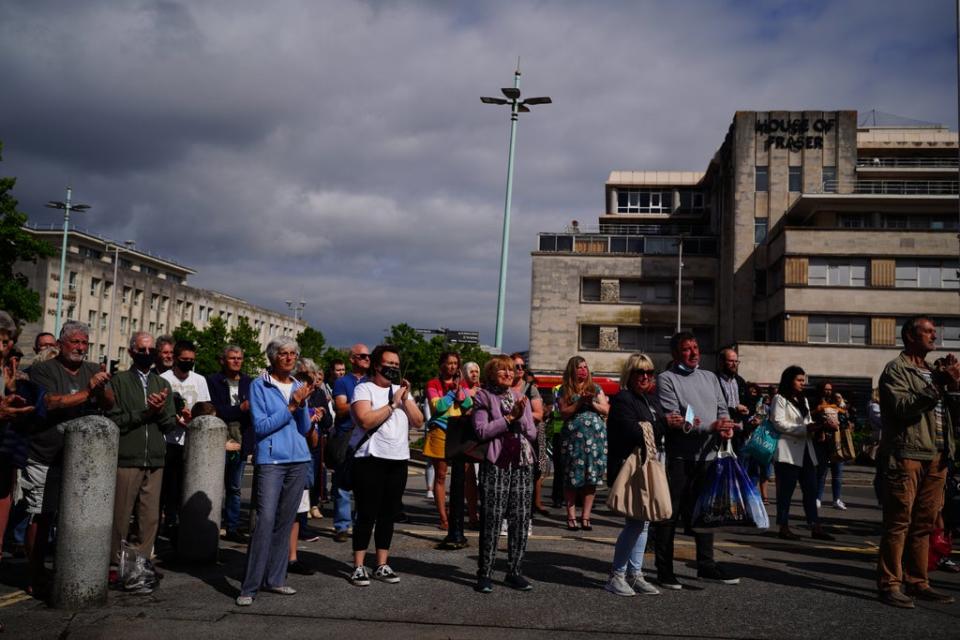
(86, 512)
(203, 461)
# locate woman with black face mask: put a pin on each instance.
(383, 413)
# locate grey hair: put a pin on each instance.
(71, 327)
(230, 348)
(279, 343)
(467, 366)
(308, 364)
(8, 324)
(136, 336)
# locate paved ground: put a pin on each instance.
(799, 589)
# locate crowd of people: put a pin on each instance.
(491, 431)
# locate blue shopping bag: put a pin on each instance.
(729, 500)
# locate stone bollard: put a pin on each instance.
(86, 512)
(203, 461)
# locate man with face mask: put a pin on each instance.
(165, 356)
(698, 420)
(143, 412)
(191, 387)
(74, 388)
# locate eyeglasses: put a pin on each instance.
(362, 356)
(644, 372)
(519, 367)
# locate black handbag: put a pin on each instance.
(336, 450)
(462, 440)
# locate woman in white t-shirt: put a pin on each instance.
(383, 413)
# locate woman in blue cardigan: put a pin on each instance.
(281, 421)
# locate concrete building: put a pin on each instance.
(150, 294)
(808, 239)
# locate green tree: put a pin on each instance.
(245, 337)
(312, 344)
(16, 245)
(419, 357)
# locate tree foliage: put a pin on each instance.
(211, 341)
(16, 245)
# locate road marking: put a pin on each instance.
(13, 598)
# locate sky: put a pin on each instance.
(338, 151)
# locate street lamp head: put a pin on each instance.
(543, 100)
(511, 92)
(493, 100)
(522, 108)
(80, 207)
(55, 204)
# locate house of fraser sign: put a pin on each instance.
(796, 134)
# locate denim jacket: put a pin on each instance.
(280, 435)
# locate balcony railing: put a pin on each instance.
(626, 244)
(909, 163)
(894, 187)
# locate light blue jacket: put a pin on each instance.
(280, 435)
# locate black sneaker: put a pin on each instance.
(236, 536)
(669, 582)
(518, 582)
(299, 568)
(484, 585)
(716, 574)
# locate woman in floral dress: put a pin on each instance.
(583, 406)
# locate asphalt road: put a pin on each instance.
(803, 589)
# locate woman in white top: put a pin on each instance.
(795, 458)
(383, 413)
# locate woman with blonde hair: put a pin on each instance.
(583, 407)
(631, 410)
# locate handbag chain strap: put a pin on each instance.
(648, 439)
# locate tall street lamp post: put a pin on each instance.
(128, 245)
(67, 208)
(516, 107)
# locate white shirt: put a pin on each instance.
(193, 390)
(391, 440)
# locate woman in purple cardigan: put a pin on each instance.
(502, 419)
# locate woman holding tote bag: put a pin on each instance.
(635, 404)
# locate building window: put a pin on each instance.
(152, 327)
(94, 286)
(759, 230)
(103, 321)
(948, 332)
(759, 331)
(837, 330)
(92, 319)
(107, 288)
(829, 179)
(852, 221)
(589, 336)
(590, 291)
(87, 252)
(837, 273)
(134, 323)
(796, 179)
(126, 264)
(123, 326)
(926, 274)
(126, 295)
(644, 201)
(138, 297)
(179, 308)
(763, 179)
(702, 292)
(164, 303)
(72, 282)
(70, 311)
(150, 271)
(154, 299)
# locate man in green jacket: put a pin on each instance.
(917, 410)
(143, 410)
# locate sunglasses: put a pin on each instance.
(519, 367)
(362, 356)
(644, 372)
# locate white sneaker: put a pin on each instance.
(839, 505)
(641, 586)
(530, 529)
(618, 585)
(818, 504)
(429, 495)
(503, 528)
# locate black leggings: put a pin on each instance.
(378, 486)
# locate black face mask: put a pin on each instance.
(184, 365)
(391, 373)
(143, 360)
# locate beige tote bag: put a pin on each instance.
(640, 491)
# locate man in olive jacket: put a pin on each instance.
(917, 412)
(143, 410)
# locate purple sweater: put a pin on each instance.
(491, 426)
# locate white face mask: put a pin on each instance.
(685, 368)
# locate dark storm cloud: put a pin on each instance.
(339, 149)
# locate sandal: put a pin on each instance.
(586, 525)
(572, 524)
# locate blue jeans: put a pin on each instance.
(342, 513)
(631, 543)
(232, 483)
(836, 479)
(279, 489)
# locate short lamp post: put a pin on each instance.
(67, 208)
(517, 106)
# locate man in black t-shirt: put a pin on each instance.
(74, 388)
